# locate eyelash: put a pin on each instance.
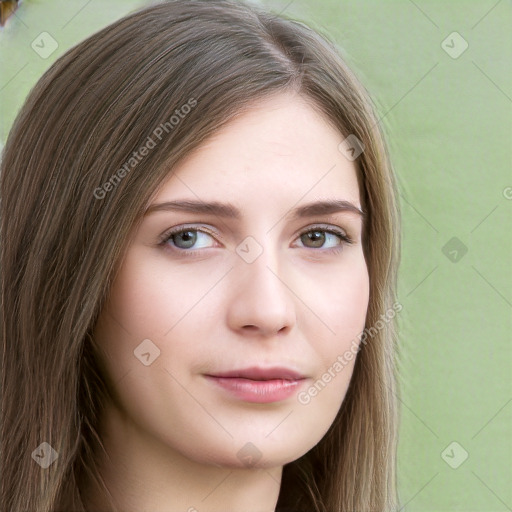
(345, 239)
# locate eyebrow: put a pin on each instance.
(230, 211)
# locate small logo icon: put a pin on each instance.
(454, 45)
(454, 455)
(454, 250)
(146, 352)
(44, 455)
(249, 249)
(351, 147)
(249, 454)
(44, 45)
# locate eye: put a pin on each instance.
(184, 240)
(319, 234)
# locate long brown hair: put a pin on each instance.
(64, 230)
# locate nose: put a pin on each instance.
(262, 303)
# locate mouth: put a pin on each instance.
(259, 385)
(259, 374)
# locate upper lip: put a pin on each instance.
(258, 373)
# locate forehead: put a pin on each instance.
(281, 149)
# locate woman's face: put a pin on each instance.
(267, 287)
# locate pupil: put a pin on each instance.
(316, 237)
(189, 238)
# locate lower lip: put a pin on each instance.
(258, 391)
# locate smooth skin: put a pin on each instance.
(173, 436)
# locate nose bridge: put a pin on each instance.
(263, 298)
(259, 265)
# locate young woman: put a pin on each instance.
(199, 244)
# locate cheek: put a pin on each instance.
(151, 302)
(341, 300)
(140, 311)
(150, 299)
(342, 305)
(133, 313)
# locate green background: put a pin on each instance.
(449, 126)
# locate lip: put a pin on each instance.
(259, 373)
(259, 385)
